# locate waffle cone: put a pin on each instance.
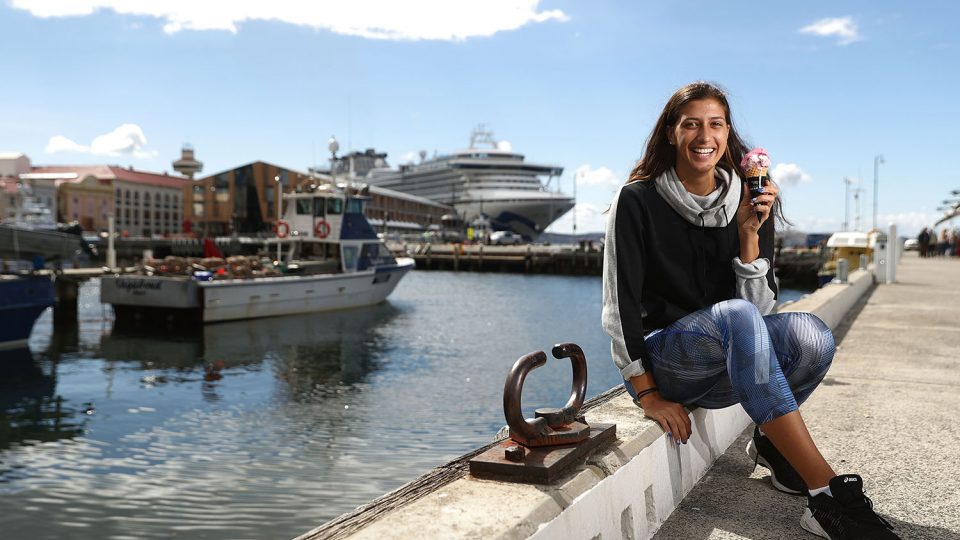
(754, 172)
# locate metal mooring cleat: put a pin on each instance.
(540, 449)
(550, 427)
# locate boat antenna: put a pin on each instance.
(482, 135)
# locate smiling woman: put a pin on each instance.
(688, 295)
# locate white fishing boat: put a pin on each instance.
(325, 256)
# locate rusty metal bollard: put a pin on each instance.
(550, 426)
(541, 450)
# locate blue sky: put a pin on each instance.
(823, 86)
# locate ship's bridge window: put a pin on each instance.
(349, 258)
(334, 206)
(318, 208)
(355, 206)
(375, 254)
(304, 207)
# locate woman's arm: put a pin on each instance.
(754, 266)
(623, 274)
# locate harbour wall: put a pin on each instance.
(625, 490)
(584, 259)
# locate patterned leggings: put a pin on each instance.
(729, 353)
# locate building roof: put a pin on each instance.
(143, 177)
(76, 173)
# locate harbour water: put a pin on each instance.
(267, 428)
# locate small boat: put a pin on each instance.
(325, 256)
(849, 246)
(32, 232)
(23, 298)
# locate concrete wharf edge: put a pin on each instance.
(626, 490)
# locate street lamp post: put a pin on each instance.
(575, 176)
(856, 206)
(277, 193)
(877, 160)
(846, 202)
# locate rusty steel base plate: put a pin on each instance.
(540, 465)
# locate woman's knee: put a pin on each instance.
(816, 338)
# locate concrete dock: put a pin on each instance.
(888, 410)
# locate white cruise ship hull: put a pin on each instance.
(520, 212)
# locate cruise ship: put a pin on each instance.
(483, 183)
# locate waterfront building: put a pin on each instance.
(142, 203)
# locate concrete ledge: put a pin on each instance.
(625, 490)
(833, 301)
(633, 484)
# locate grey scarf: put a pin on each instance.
(719, 215)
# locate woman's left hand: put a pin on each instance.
(754, 211)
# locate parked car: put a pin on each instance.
(911, 244)
(505, 238)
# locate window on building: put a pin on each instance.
(221, 185)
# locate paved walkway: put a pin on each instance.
(888, 410)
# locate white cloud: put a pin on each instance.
(59, 143)
(844, 28)
(126, 139)
(590, 219)
(374, 19)
(908, 223)
(588, 176)
(789, 174)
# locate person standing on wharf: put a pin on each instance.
(688, 288)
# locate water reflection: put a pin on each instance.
(30, 410)
(305, 351)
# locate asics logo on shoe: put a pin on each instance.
(845, 480)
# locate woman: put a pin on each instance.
(688, 292)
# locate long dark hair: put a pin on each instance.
(660, 155)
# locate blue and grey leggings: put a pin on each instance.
(729, 353)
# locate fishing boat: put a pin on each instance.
(851, 246)
(325, 256)
(23, 298)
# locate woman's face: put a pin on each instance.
(700, 136)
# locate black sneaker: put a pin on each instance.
(848, 515)
(782, 475)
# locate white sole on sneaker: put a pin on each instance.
(754, 455)
(811, 525)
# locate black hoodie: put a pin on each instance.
(661, 265)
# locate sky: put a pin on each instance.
(826, 87)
